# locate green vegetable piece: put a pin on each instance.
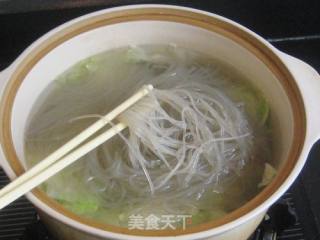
(263, 111)
(206, 215)
(268, 174)
(80, 71)
(81, 207)
(136, 55)
(255, 104)
(200, 217)
(84, 207)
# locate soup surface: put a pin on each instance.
(111, 184)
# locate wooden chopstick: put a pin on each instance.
(56, 167)
(47, 167)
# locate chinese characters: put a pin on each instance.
(154, 222)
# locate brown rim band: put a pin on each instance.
(162, 14)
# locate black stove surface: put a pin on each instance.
(292, 26)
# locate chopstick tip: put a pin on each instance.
(149, 87)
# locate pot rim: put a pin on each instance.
(300, 151)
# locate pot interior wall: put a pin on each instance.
(154, 32)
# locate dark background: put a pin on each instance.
(23, 21)
(291, 25)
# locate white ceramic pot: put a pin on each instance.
(290, 86)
